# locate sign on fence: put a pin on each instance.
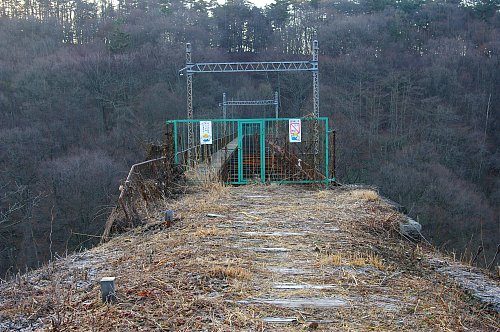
(294, 131)
(205, 132)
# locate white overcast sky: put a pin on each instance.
(258, 3)
(261, 3)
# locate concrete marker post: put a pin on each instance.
(108, 290)
(169, 217)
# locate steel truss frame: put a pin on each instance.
(239, 67)
(226, 103)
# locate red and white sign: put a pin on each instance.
(294, 131)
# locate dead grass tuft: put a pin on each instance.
(322, 194)
(365, 194)
(355, 260)
(215, 187)
(331, 260)
(367, 259)
(226, 272)
(208, 199)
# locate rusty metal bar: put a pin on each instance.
(126, 184)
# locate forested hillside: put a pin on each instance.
(411, 87)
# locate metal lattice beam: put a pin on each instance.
(250, 102)
(238, 67)
(226, 103)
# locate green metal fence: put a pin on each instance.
(245, 151)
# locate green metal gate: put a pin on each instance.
(242, 151)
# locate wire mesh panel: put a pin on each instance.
(249, 154)
(241, 151)
(223, 132)
(288, 161)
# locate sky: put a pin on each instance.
(258, 3)
(261, 3)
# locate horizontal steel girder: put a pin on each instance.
(250, 102)
(225, 67)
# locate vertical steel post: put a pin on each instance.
(224, 106)
(276, 103)
(327, 174)
(240, 151)
(224, 114)
(276, 108)
(176, 148)
(334, 156)
(262, 143)
(314, 62)
(189, 89)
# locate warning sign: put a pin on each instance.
(205, 132)
(294, 131)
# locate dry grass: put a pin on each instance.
(192, 276)
(331, 260)
(210, 231)
(202, 175)
(225, 272)
(367, 259)
(216, 188)
(366, 195)
(355, 260)
(211, 198)
(322, 194)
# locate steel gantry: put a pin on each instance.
(247, 67)
(226, 103)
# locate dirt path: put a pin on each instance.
(284, 258)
